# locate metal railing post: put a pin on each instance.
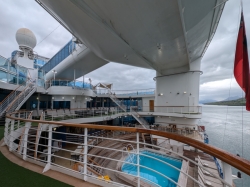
(85, 154)
(18, 122)
(25, 139)
(7, 122)
(11, 135)
(138, 158)
(47, 167)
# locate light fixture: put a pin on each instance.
(37, 98)
(160, 94)
(54, 129)
(73, 98)
(53, 98)
(62, 97)
(184, 92)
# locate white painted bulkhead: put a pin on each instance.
(75, 101)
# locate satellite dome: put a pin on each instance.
(25, 38)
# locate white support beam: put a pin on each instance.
(138, 158)
(7, 122)
(85, 154)
(11, 135)
(48, 165)
(25, 139)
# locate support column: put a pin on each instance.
(85, 161)
(11, 135)
(138, 158)
(7, 122)
(227, 173)
(25, 139)
(48, 165)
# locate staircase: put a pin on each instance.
(17, 103)
(15, 100)
(6, 102)
(142, 121)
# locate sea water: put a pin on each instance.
(228, 127)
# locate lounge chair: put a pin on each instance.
(209, 181)
(212, 165)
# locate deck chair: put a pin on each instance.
(209, 181)
(206, 164)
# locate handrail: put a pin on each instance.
(18, 97)
(235, 161)
(10, 94)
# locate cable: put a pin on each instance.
(47, 35)
(230, 86)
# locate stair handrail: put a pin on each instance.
(10, 94)
(19, 95)
(143, 122)
(7, 98)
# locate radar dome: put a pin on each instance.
(25, 38)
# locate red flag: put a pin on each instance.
(241, 63)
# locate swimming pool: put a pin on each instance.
(156, 165)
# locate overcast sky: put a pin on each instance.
(217, 63)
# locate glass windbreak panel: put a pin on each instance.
(61, 104)
(40, 82)
(22, 75)
(40, 74)
(3, 76)
(12, 79)
(63, 83)
(3, 63)
(13, 68)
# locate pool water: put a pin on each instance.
(155, 165)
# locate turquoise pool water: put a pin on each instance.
(156, 165)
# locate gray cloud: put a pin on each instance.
(216, 65)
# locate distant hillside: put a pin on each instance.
(207, 101)
(236, 102)
(231, 98)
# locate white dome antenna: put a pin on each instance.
(25, 39)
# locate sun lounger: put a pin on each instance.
(209, 180)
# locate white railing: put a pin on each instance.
(99, 156)
(140, 92)
(67, 114)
